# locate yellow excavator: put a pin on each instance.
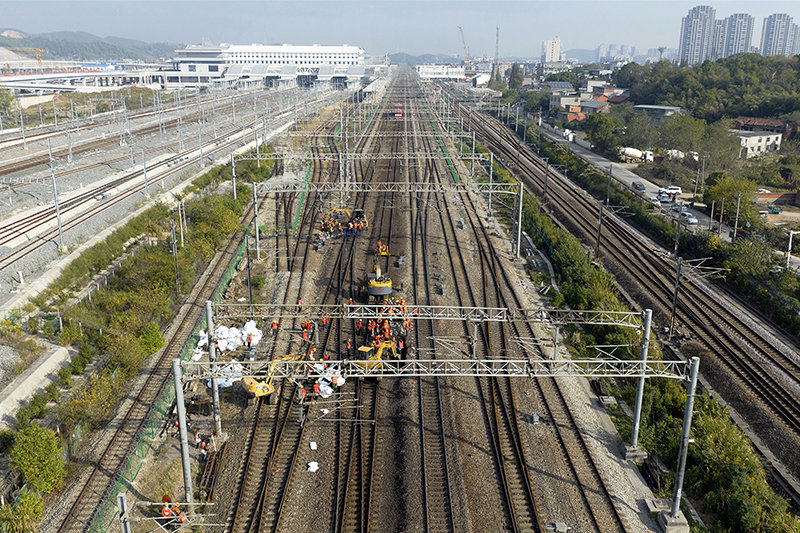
(378, 285)
(264, 387)
(384, 351)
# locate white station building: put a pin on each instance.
(271, 65)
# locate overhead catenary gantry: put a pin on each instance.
(351, 368)
(556, 316)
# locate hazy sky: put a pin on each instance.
(385, 26)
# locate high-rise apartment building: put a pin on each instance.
(551, 50)
(718, 41)
(697, 35)
(738, 34)
(780, 36)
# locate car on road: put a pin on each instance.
(672, 189)
(763, 191)
(664, 198)
(688, 217)
(638, 186)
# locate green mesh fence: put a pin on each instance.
(107, 513)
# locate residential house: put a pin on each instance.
(786, 128)
(755, 143)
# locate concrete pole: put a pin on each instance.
(122, 503)
(599, 229)
(55, 197)
(472, 161)
(789, 249)
(675, 297)
(22, 127)
(546, 176)
(69, 145)
(184, 436)
(55, 115)
(144, 171)
(736, 218)
(687, 426)
(212, 356)
(175, 255)
(233, 172)
(491, 168)
(721, 211)
(181, 220)
(637, 410)
(255, 221)
(519, 219)
(711, 217)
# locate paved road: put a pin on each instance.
(626, 178)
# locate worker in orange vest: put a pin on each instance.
(275, 328)
(349, 347)
(165, 512)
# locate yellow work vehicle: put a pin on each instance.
(368, 353)
(378, 285)
(264, 387)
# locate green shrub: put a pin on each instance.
(151, 339)
(65, 377)
(33, 325)
(23, 418)
(6, 440)
(21, 517)
(52, 392)
(69, 334)
(48, 329)
(38, 406)
(258, 281)
(77, 366)
(37, 458)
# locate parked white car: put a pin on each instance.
(688, 218)
(672, 189)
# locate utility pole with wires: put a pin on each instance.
(693, 270)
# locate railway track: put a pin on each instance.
(108, 469)
(764, 363)
(46, 215)
(601, 513)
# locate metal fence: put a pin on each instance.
(108, 512)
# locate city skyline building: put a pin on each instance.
(738, 34)
(551, 50)
(697, 35)
(779, 36)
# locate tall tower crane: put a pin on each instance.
(38, 51)
(466, 50)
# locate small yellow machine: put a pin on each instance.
(265, 387)
(368, 353)
(378, 285)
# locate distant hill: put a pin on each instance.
(582, 55)
(83, 46)
(425, 59)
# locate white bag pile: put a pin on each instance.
(229, 339)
